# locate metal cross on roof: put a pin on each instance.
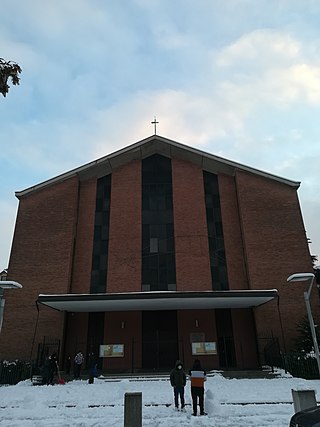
(155, 125)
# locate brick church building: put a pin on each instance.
(156, 252)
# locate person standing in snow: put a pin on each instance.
(197, 376)
(92, 365)
(53, 367)
(50, 369)
(78, 361)
(45, 370)
(178, 381)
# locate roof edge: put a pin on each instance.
(133, 147)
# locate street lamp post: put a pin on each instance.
(6, 284)
(302, 277)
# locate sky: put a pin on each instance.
(238, 78)
(228, 402)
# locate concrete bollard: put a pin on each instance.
(133, 409)
(303, 399)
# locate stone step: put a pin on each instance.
(249, 374)
(164, 376)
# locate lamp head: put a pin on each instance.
(9, 284)
(300, 277)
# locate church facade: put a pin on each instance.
(154, 253)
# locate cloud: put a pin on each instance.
(194, 120)
(300, 82)
(95, 74)
(278, 70)
(260, 48)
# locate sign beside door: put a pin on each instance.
(204, 348)
(111, 350)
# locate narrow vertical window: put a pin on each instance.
(158, 253)
(218, 262)
(101, 236)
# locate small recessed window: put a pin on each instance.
(154, 245)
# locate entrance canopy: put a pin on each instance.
(159, 300)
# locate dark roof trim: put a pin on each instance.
(165, 300)
(152, 145)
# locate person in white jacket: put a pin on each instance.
(78, 361)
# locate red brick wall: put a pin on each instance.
(41, 261)
(190, 228)
(245, 339)
(129, 335)
(81, 274)
(124, 258)
(237, 276)
(275, 246)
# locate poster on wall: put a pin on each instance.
(204, 348)
(111, 350)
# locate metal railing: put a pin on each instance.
(302, 365)
(12, 372)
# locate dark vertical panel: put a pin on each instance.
(158, 259)
(95, 335)
(159, 339)
(99, 263)
(101, 236)
(215, 233)
(226, 348)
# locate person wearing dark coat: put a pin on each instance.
(50, 369)
(197, 377)
(92, 365)
(178, 381)
(45, 370)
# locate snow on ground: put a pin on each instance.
(228, 402)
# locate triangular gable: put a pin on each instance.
(156, 145)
